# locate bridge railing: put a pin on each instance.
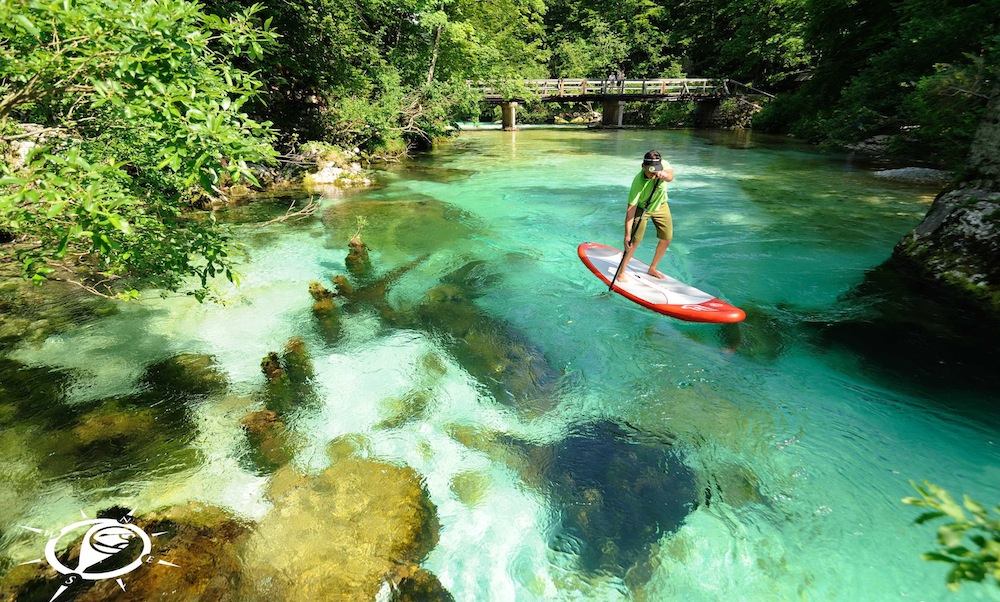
(558, 88)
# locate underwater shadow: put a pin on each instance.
(907, 331)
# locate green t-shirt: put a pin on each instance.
(640, 190)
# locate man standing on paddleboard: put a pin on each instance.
(647, 197)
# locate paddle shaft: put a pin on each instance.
(636, 220)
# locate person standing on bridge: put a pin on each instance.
(621, 80)
(649, 191)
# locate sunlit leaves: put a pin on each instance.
(969, 540)
(915, 70)
(145, 106)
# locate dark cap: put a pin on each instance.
(651, 162)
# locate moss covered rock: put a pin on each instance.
(193, 558)
(957, 245)
(341, 535)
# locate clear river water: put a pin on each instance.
(575, 446)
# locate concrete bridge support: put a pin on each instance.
(508, 112)
(612, 112)
(706, 113)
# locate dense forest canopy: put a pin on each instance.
(137, 109)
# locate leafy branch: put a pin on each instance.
(970, 540)
(136, 110)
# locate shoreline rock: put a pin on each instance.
(916, 175)
(956, 245)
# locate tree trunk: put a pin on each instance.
(434, 54)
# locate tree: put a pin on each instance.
(136, 108)
(383, 76)
(591, 38)
(917, 70)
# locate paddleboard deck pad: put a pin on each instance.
(667, 296)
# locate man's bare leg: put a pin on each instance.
(661, 249)
(629, 252)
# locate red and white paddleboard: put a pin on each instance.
(667, 296)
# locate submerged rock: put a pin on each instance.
(617, 496)
(186, 374)
(911, 331)
(616, 491)
(111, 423)
(120, 439)
(414, 584)
(357, 261)
(761, 336)
(410, 406)
(29, 313)
(502, 359)
(33, 396)
(202, 541)
(267, 437)
(341, 535)
(193, 558)
(400, 227)
(109, 441)
(289, 377)
(471, 487)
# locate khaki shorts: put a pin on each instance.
(661, 220)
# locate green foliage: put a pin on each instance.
(593, 56)
(969, 540)
(590, 38)
(673, 114)
(917, 70)
(138, 107)
(387, 76)
(943, 110)
(759, 42)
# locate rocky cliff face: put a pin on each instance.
(957, 246)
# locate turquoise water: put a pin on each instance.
(785, 451)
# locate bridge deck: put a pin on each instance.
(555, 90)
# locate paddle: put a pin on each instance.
(639, 210)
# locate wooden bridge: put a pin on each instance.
(613, 94)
